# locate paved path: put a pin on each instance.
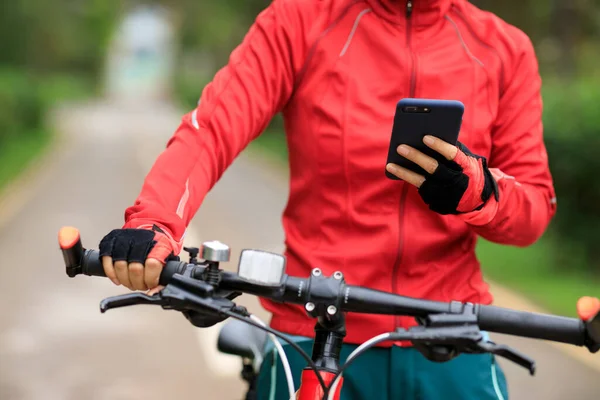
(54, 343)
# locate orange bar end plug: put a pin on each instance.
(68, 237)
(588, 307)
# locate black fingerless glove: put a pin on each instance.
(459, 186)
(134, 245)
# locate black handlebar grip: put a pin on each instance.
(81, 261)
(532, 325)
(91, 265)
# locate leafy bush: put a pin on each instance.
(572, 134)
(58, 35)
(20, 104)
(49, 51)
(25, 97)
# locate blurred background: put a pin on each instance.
(90, 90)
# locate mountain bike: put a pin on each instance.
(444, 330)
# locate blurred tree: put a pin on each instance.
(41, 43)
(56, 36)
(561, 30)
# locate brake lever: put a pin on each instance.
(186, 294)
(508, 353)
(441, 337)
(182, 294)
(130, 299)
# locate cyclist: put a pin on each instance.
(335, 69)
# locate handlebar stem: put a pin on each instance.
(323, 295)
(327, 347)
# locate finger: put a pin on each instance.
(427, 163)
(409, 176)
(152, 272)
(446, 149)
(136, 276)
(155, 290)
(123, 273)
(109, 270)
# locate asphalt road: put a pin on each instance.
(54, 343)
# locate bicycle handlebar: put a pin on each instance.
(363, 300)
(91, 265)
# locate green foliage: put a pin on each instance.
(188, 89)
(20, 104)
(56, 35)
(24, 98)
(208, 31)
(563, 31)
(49, 51)
(19, 152)
(535, 272)
(572, 134)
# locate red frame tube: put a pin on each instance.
(310, 388)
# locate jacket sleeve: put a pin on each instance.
(518, 160)
(234, 109)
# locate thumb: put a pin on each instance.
(155, 290)
(163, 248)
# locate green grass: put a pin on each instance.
(534, 272)
(18, 152)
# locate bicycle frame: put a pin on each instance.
(310, 389)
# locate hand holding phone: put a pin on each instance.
(450, 178)
(416, 118)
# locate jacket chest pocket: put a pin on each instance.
(353, 134)
(368, 80)
(352, 101)
(442, 76)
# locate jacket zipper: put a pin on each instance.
(413, 72)
(404, 192)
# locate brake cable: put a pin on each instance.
(175, 296)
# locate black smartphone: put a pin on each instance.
(416, 118)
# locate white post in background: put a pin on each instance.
(141, 57)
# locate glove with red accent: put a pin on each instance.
(135, 257)
(460, 185)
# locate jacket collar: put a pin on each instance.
(424, 12)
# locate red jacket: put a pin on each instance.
(336, 69)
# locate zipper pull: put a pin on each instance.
(409, 8)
